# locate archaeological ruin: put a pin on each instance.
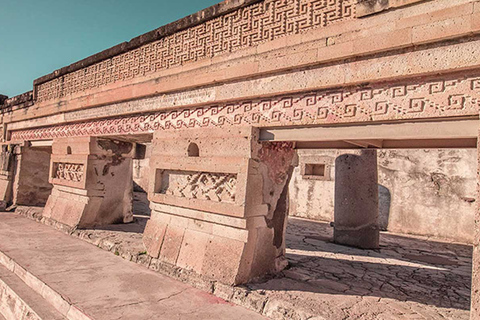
(267, 144)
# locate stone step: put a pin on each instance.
(83, 282)
(20, 302)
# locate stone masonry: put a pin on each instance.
(228, 97)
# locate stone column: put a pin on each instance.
(219, 203)
(93, 183)
(356, 199)
(475, 292)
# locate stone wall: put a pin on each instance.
(423, 192)
(31, 186)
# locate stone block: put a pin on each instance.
(264, 252)
(383, 41)
(192, 252)
(223, 259)
(475, 21)
(154, 234)
(172, 243)
(443, 29)
(55, 299)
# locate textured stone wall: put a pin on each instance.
(424, 192)
(31, 186)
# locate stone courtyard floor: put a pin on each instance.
(407, 278)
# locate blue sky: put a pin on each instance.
(40, 36)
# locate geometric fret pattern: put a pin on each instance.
(457, 96)
(245, 27)
(219, 187)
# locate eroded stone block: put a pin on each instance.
(92, 180)
(219, 208)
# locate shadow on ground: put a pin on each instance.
(432, 277)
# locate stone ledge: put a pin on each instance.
(240, 295)
(21, 309)
(23, 100)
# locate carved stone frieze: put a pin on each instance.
(245, 27)
(417, 99)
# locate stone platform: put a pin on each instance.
(82, 282)
(408, 277)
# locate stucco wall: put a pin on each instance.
(424, 192)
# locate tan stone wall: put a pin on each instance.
(423, 192)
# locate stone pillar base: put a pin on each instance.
(217, 252)
(218, 200)
(5, 189)
(75, 208)
(93, 182)
(365, 238)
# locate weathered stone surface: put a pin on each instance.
(356, 199)
(105, 286)
(92, 181)
(326, 280)
(31, 185)
(283, 64)
(230, 196)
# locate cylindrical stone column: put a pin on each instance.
(356, 199)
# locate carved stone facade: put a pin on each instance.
(447, 97)
(245, 27)
(217, 79)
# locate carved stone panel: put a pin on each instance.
(453, 96)
(218, 187)
(68, 171)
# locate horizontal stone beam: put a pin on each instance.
(434, 134)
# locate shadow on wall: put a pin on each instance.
(384, 202)
(141, 204)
